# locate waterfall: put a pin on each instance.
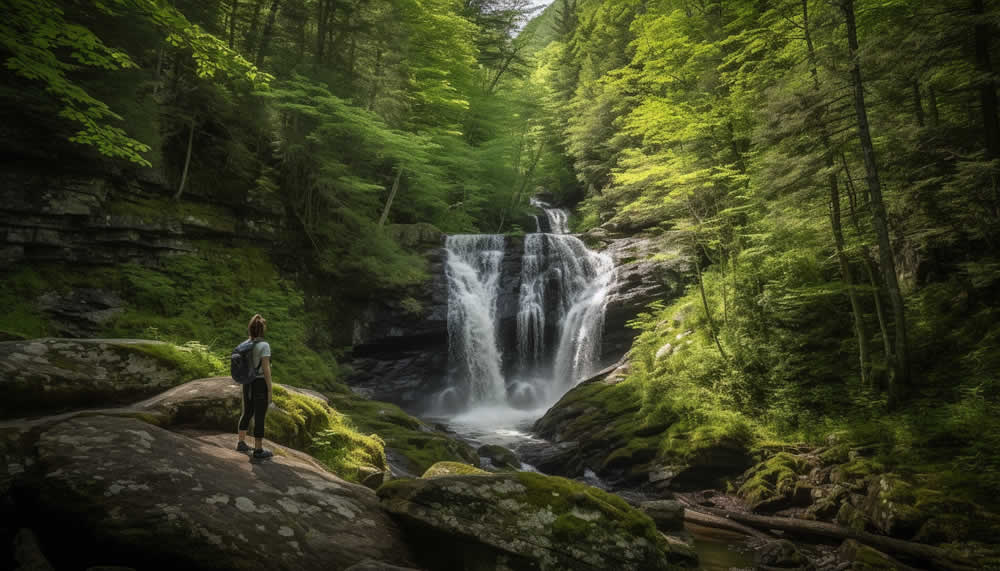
(473, 272)
(565, 282)
(559, 321)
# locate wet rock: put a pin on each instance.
(667, 514)
(158, 499)
(647, 269)
(524, 521)
(47, 375)
(499, 457)
(781, 554)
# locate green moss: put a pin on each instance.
(193, 359)
(563, 495)
(440, 469)
(402, 433)
(20, 318)
(775, 477)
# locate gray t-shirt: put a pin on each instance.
(260, 350)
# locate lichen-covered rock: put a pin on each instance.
(522, 521)
(667, 514)
(499, 457)
(118, 486)
(441, 469)
(48, 375)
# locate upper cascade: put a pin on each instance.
(559, 322)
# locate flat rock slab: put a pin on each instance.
(49, 375)
(111, 490)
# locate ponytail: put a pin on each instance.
(257, 326)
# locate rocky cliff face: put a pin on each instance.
(401, 348)
(91, 219)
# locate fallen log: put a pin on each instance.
(722, 523)
(940, 558)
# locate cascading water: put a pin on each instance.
(473, 272)
(557, 332)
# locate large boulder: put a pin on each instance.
(48, 375)
(113, 490)
(647, 270)
(777, 483)
(525, 521)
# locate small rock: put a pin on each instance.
(500, 457)
(781, 554)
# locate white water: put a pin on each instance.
(473, 271)
(559, 323)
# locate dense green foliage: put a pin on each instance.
(741, 125)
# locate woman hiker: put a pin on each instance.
(257, 394)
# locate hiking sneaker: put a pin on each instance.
(243, 447)
(262, 453)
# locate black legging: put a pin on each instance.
(254, 404)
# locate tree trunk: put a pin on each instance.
(987, 89)
(900, 373)
(323, 7)
(232, 23)
(869, 264)
(864, 349)
(251, 37)
(187, 161)
(918, 105)
(392, 195)
(265, 37)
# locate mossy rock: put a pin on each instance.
(525, 521)
(891, 506)
(451, 469)
(865, 558)
(500, 457)
(297, 418)
(44, 376)
(411, 445)
(776, 483)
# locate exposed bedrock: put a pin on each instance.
(117, 491)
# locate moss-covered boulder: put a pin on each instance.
(777, 483)
(891, 506)
(451, 469)
(499, 457)
(522, 521)
(42, 376)
(411, 446)
(298, 418)
(153, 498)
